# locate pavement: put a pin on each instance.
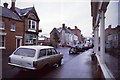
(79, 67)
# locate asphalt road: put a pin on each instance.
(10, 72)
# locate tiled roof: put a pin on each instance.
(23, 12)
(9, 13)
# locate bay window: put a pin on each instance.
(31, 25)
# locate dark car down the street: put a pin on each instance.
(73, 50)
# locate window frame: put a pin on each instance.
(13, 27)
(32, 23)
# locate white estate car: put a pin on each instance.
(34, 57)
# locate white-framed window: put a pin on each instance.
(2, 25)
(32, 24)
(13, 27)
(2, 41)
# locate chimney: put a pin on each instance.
(109, 26)
(63, 25)
(5, 5)
(76, 27)
(13, 5)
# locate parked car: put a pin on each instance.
(35, 57)
(73, 50)
(80, 47)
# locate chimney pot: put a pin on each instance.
(5, 5)
(76, 27)
(109, 26)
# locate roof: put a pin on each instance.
(37, 47)
(66, 30)
(9, 13)
(23, 12)
(54, 30)
(26, 11)
(59, 29)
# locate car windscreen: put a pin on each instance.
(25, 52)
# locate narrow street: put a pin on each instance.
(10, 72)
(78, 67)
(73, 66)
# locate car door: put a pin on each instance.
(42, 59)
(50, 57)
(56, 56)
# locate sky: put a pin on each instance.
(53, 13)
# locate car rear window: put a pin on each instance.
(25, 52)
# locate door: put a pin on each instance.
(18, 42)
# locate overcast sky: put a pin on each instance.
(53, 13)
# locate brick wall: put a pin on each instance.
(10, 37)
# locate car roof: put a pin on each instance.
(37, 47)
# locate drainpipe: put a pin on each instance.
(102, 36)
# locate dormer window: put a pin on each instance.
(2, 25)
(32, 25)
(13, 27)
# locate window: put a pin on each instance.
(25, 52)
(112, 52)
(13, 27)
(49, 52)
(2, 41)
(2, 25)
(42, 53)
(29, 24)
(32, 24)
(54, 51)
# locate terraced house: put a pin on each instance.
(18, 27)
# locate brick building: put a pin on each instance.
(77, 32)
(18, 27)
(67, 36)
